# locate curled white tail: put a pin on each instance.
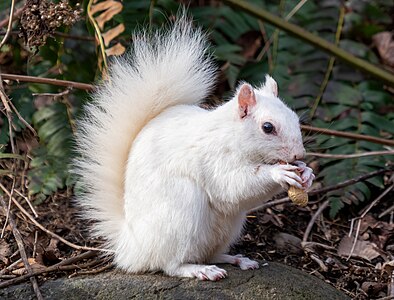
(163, 69)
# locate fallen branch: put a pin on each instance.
(22, 252)
(65, 265)
(35, 222)
(355, 155)
(348, 135)
(9, 27)
(57, 82)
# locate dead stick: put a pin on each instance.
(313, 220)
(35, 222)
(65, 265)
(348, 135)
(58, 82)
(21, 247)
(354, 155)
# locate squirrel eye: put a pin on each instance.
(268, 127)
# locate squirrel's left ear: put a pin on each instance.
(246, 99)
(270, 85)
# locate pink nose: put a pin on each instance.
(299, 155)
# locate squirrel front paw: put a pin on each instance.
(285, 175)
(307, 175)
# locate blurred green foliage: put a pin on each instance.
(351, 101)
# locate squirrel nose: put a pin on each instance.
(299, 155)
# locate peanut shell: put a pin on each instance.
(298, 196)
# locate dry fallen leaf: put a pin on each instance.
(362, 249)
(288, 243)
(385, 44)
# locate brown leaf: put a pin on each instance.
(362, 249)
(388, 266)
(109, 9)
(288, 243)
(385, 44)
(112, 33)
(116, 50)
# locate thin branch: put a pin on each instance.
(330, 63)
(348, 182)
(8, 207)
(8, 112)
(22, 252)
(20, 117)
(57, 82)
(7, 34)
(313, 220)
(69, 262)
(35, 222)
(316, 41)
(348, 135)
(355, 155)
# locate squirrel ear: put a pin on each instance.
(246, 99)
(270, 85)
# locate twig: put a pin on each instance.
(362, 216)
(28, 202)
(21, 247)
(20, 117)
(74, 37)
(269, 42)
(98, 34)
(58, 82)
(34, 221)
(321, 264)
(313, 220)
(376, 201)
(330, 63)
(95, 271)
(10, 266)
(59, 266)
(8, 111)
(316, 41)
(7, 34)
(348, 182)
(386, 212)
(348, 135)
(354, 155)
(8, 207)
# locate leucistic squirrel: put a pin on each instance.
(169, 183)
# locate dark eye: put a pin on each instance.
(268, 127)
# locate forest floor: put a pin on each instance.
(282, 233)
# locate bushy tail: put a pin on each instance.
(162, 69)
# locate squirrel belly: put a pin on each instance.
(169, 183)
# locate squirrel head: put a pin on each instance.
(270, 129)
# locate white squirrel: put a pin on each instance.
(168, 182)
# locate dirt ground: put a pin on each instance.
(274, 234)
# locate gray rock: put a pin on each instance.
(276, 281)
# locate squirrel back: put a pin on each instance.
(162, 69)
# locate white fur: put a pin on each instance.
(168, 182)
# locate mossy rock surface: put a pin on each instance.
(275, 281)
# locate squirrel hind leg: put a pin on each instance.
(201, 272)
(239, 260)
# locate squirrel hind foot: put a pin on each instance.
(201, 272)
(239, 260)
